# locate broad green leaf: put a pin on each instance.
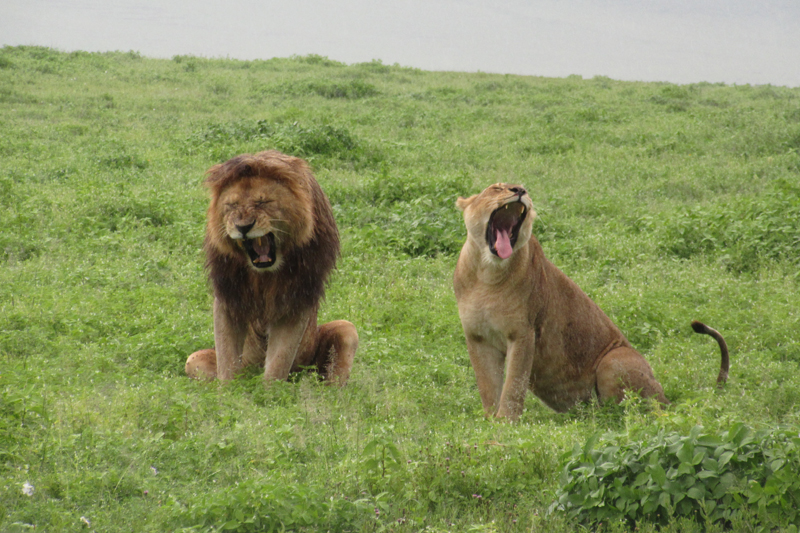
(711, 465)
(706, 474)
(777, 464)
(664, 500)
(686, 453)
(696, 493)
(658, 474)
(699, 456)
(712, 441)
(724, 458)
(370, 447)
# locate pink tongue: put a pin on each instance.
(261, 250)
(502, 244)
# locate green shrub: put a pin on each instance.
(703, 476)
(310, 142)
(404, 213)
(741, 234)
(352, 90)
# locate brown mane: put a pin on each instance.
(299, 284)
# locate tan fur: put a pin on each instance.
(522, 314)
(271, 243)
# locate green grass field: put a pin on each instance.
(665, 203)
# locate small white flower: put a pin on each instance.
(27, 489)
(86, 522)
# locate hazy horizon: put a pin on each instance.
(679, 41)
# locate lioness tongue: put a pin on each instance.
(502, 244)
(261, 246)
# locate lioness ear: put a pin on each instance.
(462, 203)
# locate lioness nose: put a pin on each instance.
(244, 228)
(519, 190)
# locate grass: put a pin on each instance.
(666, 203)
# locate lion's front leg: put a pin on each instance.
(487, 362)
(285, 338)
(255, 348)
(229, 342)
(519, 365)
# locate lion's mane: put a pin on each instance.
(299, 284)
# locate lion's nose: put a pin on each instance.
(519, 191)
(244, 228)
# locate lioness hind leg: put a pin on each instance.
(337, 343)
(202, 365)
(625, 369)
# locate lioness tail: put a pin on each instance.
(725, 366)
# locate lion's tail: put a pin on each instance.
(725, 366)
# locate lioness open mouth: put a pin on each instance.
(503, 228)
(261, 250)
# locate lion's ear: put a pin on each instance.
(462, 203)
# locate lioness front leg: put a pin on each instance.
(487, 362)
(519, 365)
(229, 339)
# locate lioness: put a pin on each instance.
(271, 243)
(519, 311)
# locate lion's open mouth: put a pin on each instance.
(261, 250)
(503, 228)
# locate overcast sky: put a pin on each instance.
(681, 41)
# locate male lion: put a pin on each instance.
(271, 243)
(518, 310)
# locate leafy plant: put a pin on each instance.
(380, 455)
(308, 141)
(353, 89)
(743, 233)
(704, 476)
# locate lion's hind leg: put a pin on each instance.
(337, 343)
(202, 365)
(625, 369)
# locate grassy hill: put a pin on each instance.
(666, 203)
